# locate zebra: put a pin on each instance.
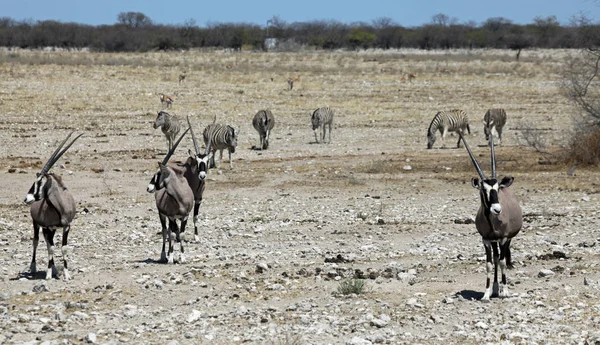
(494, 119)
(263, 122)
(223, 137)
(170, 126)
(320, 118)
(447, 121)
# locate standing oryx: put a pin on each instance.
(494, 119)
(220, 137)
(498, 220)
(52, 206)
(174, 200)
(169, 125)
(447, 121)
(263, 122)
(322, 117)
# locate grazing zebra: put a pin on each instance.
(170, 126)
(320, 118)
(447, 121)
(263, 122)
(494, 119)
(223, 137)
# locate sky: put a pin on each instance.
(407, 13)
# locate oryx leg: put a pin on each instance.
(488, 267)
(36, 240)
(496, 259)
(172, 226)
(165, 233)
(509, 263)
(504, 249)
(196, 209)
(65, 251)
(181, 237)
(49, 237)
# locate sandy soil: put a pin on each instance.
(283, 229)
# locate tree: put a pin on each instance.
(133, 19)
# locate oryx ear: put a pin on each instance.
(475, 183)
(506, 181)
(190, 153)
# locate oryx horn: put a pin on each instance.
(493, 153)
(193, 137)
(479, 171)
(58, 153)
(170, 153)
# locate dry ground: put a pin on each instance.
(398, 214)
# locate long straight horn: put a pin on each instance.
(49, 163)
(170, 153)
(493, 155)
(475, 164)
(193, 137)
(55, 159)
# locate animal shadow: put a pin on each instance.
(470, 295)
(39, 275)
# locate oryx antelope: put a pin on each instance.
(263, 122)
(322, 117)
(52, 206)
(167, 100)
(498, 220)
(494, 120)
(174, 200)
(169, 125)
(220, 137)
(447, 121)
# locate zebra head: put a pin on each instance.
(161, 119)
(232, 135)
(37, 190)
(430, 138)
(488, 188)
(315, 119)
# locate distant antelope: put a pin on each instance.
(263, 123)
(322, 117)
(411, 77)
(169, 125)
(52, 206)
(447, 121)
(291, 81)
(494, 120)
(181, 77)
(166, 100)
(498, 220)
(219, 138)
(174, 201)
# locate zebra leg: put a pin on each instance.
(503, 288)
(196, 208)
(36, 240)
(496, 261)
(49, 237)
(488, 268)
(165, 233)
(65, 252)
(230, 162)
(330, 133)
(458, 143)
(316, 137)
(323, 136)
(444, 132)
(499, 130)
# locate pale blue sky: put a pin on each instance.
(406, 13)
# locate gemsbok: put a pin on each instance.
(498, 220)
(174, 200)
(166, 100)
(52, 206)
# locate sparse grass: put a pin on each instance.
(352, 286)
(288, 339)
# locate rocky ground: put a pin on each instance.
(285, 229)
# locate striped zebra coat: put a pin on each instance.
(263, 122)
(223, 137)
(169, 125)
(447, 121)
(494, 119)
(322, 117)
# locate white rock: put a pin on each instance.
(545, 273)
(194, 316)
(91, 338)
(481, 325)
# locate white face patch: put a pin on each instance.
(202, 175)
(29, 199)
(150, 188)
(495, 208)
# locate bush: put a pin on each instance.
(584, 146)
(352, 286)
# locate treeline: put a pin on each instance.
(135, 32)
